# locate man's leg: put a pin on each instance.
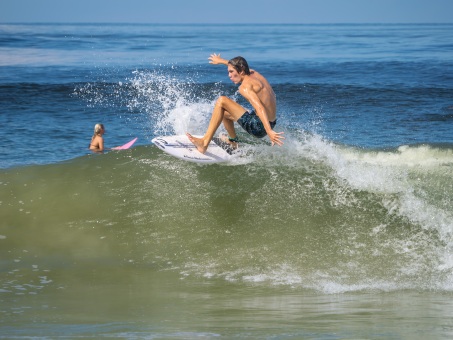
(231, 137)
(225, 109)
(229, 126)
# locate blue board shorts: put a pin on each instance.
(251, 123)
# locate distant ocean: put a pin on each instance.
(345, 232)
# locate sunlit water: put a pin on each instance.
(343, 233)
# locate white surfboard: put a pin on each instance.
(181, 147)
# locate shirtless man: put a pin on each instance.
(256, 89)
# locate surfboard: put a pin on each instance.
(181, 147)
(125, 146)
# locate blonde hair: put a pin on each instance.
(98, 128)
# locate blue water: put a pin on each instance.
(345, 232)
(372, 86)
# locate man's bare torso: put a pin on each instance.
(264, 91)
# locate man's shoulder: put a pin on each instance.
(251, 84)
(255, 78)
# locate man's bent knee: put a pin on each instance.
(222, 101)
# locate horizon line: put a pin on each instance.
(220, 24)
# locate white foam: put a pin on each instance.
(409, 182)
(405, 173)
(170, 104)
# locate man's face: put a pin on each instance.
(234, 76)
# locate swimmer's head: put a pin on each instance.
(98, 128)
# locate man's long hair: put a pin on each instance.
(240, 64)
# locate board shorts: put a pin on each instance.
(251, 123)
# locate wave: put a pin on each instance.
(321, 220)
(310, 215)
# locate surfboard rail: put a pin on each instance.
(125, 146)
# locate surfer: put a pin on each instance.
(255, 88)
(97, 141)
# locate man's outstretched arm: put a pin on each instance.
(216, 59)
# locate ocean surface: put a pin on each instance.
(344, 232)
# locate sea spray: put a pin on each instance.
(161, 102)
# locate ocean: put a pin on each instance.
(344, 232)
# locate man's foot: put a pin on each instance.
(231, 141)
(198, 142)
